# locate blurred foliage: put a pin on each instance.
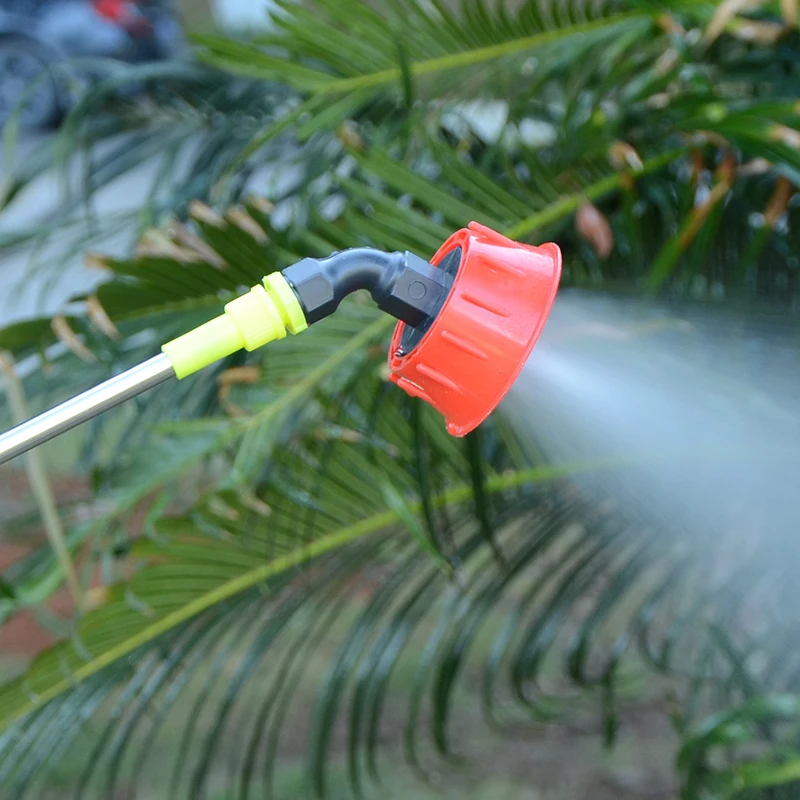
(240, 515)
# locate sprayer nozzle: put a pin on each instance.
(467, 323)
(467, 356)
(402, 284)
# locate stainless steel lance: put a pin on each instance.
(85, 406)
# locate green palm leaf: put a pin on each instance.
(310, 514)
(189, 575)
(442, 41)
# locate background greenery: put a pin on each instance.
(284, 551)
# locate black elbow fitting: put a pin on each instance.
(402, 284)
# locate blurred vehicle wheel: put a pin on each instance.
(25, 75)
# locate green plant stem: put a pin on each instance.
(665, 262)
(40, 483)
(470, 58)
(325, 544)
(569, 203)
(259, 574)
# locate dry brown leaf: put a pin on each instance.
(785, 135)
(666, 61)
(592, 226)
(6, 362)
(235, 376)
(68, 337)
(350, 136)
(96, 261)
(100, 319)
(779, 201)
(659, 100)
(624, 156)
(701, 212)
(241, 219)
(726, 171)
(95, 597)
(669, 24)
(261, 204)
(203, 213)
(222, 509)
(701, 137)
(763, 33)
(758, 166)
(155, 243)
(725, 13)
(698, 165)
(198, 246)
(254, 503)
(789, 9)
(246, 374)
(350, 435)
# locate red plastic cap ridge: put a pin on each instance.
(475, 349)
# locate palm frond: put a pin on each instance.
(300, 506)
(191, 573)
(354, 47)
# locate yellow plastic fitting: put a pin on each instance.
(262, 315)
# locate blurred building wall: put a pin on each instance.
(242, 14)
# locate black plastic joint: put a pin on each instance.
(313, 288)
(402, 284)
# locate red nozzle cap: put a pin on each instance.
(477, 345)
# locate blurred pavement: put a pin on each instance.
(38, 280)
